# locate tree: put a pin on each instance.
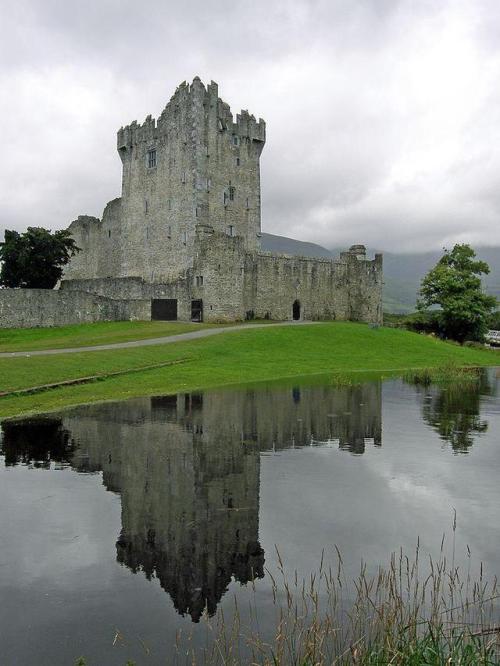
(454, 285)
(35, 258)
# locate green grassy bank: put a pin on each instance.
(252, 355)
(86, 335)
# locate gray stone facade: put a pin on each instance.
(27, 308)
(186, 229)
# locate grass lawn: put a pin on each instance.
(83, 335)
(255, 355)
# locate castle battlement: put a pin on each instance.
(184, 105)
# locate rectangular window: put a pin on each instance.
(146, 206)
(248, 203)
(232, 191)
(235, 140)
(237, 161)
(170, 204)
(199, 280)
(183, 177)
(169, 231)
(184, 237)
(151, 158)
(230, 230)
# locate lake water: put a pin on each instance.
(123, 524)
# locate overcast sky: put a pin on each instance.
(383, 116)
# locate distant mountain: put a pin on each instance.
(402, 272)
(284, 245)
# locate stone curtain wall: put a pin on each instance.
(29, 308)
(235, 285)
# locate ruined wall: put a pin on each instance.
(100, 243)
(28, 308)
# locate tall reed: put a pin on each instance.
(410, 612)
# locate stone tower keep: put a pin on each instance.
(192, 166)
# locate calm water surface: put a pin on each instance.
(125, 523)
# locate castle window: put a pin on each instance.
(170, 204)
(225, 197)
(151, 158)
(184, 237)
(237, 161)
(146, 206)
(235, 140)
(196, 210)
(183, 177)
(230, 230)
(199, 280)
(248, 203)
(169, 231)
(109, 233)
(232, 191)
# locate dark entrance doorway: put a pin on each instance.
(197, 310)
(296, 310)
(164, 309)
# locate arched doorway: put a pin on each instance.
(296, 310)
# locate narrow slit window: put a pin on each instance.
(151, 158)
(232, 191)
(230, 230)
(237, 161)
(169, 231)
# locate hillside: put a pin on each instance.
(402, 272)
(325, 352)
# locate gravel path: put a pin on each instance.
(193, 335)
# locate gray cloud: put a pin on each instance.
(382, 114)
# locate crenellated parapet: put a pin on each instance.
(179, 108)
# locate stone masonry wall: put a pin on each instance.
(28, 308)
(234, 284)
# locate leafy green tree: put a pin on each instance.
(35, 259)
(454, 285)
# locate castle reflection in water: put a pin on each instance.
(187, 468)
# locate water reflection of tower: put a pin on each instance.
(190, 498)
(187, 468)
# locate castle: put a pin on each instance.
(183, 240)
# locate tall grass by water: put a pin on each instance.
(416, 611)
(448, 374)
(411, 612)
